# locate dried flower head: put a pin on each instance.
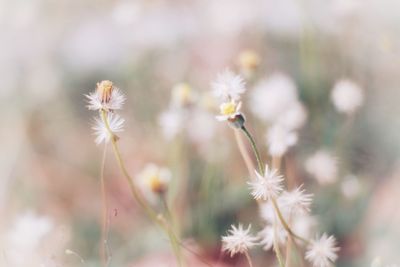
(238, 240)
(106, 97)
(155, 179)
(102, 132)
(228, 86)
(267, 186)
(347, 96)
(322, 251)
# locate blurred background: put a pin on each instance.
(54, 52)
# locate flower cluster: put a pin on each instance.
(106, 99)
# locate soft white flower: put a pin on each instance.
(279, 139)
(238, 240)
(296, 201)
(183, 95)
(293, 117)
(171, 122)
(228, 86)
(154, 179)
(322, 251)
(267, 186)
(229, 110)
(269, 234)
(322, 165)
(347, 96)
(106, 97)
(115, 123)
(272, 97)
(350, 186)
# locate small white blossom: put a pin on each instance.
(272, 97)
(322, 251)
(279, 140)
(293, 117)
(347, 96)
(154, 179)
(116, 124)
(322, 165)
(269, 234)
(228, 86)
(229, 110)
(267, 186)
(183, 95)
(105, 97)
(171, 122)
(238, 240)
(296, 201)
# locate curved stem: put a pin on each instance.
(246, 253)
(255, 150)
(135, 193)
(273, 200)
(245, 154)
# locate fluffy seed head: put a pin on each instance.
(238, 240)
(155, 179)
(347, 96)
(322, 251)
(106, 97)
(267, 186)
(228, 86)
(296, 201)
(322, 165)
(115, 123)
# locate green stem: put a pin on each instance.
(135, 193)
(255, 150)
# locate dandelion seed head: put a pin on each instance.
(322, 251)
(297, 201)
(347, 96)
(238, 240)
(228, 86)
(267, 186)
(115, 123)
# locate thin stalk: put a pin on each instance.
(104, 253)
(261, 171)
(245, 154)
(288, 252)
(246, 253)
(255, 150)
(135, 193)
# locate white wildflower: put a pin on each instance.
(269, 234)
(238, 240)
(350, 186)
(267, 186)
(296, 201)
(171, 122)
(293, 117)
(322, 165)
(321, 252)
(106, 97)
(279, 139)
(229, 110)
(267, 212)
(115, 123)
(183, 95)
(347, 96)
(272, 97)
(228, 86)
(155, 179)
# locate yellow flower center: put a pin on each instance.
(104, 89)
(156, 185)
(228, 108)
(183, 93)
